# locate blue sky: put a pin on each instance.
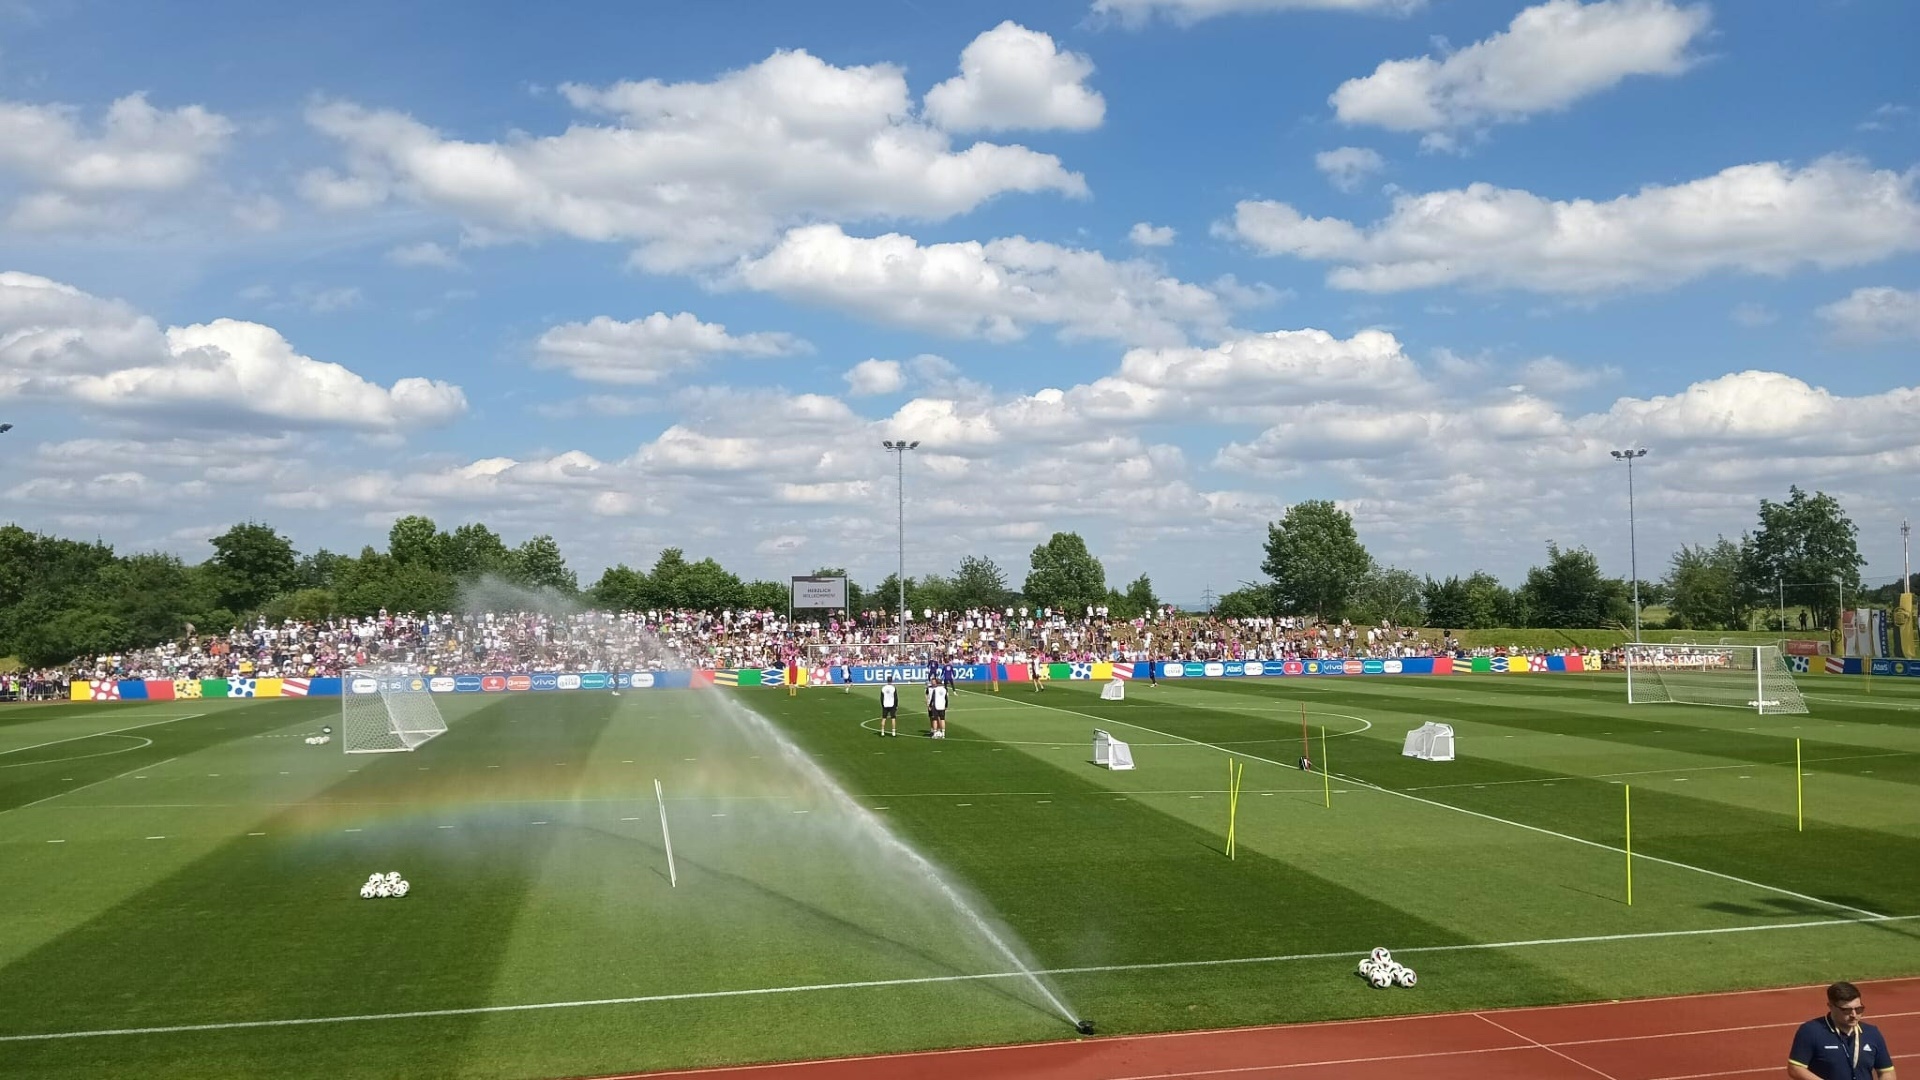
(666, 274)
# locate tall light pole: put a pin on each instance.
(899, 448)
(1906, 558)
(1633, 543)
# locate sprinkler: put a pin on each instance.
(1084, 1027)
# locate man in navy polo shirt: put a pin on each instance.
(1839, 1045)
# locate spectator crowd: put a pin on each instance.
(527, 641)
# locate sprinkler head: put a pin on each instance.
(1084, 1027)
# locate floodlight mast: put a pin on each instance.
(899, 448)
(1633, 545)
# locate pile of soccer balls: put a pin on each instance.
(319, 740)
(381, 886)
(1383, 971)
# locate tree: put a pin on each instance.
(979, 583)
(1248, 602)
(765, 595)
(415, 540)
(1707, 588)
(1139, 598)
(1389, 593)
(1809, 545)
(473, 550)
(1065, 576)
(1570, 592)
(253, 564)
(1315, 559)
(622, 588)
(539, 564)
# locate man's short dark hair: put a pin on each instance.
(1842, 992)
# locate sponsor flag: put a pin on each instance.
(269, 687)
(103, 690)
(188, 689)
(213, 688)
(1443, 665)
(240, 687)
(294, 687)
(1081, 671)
(1101, 671)
(1121, 671)
(727, 678)
(703, 677)
(750, 676)
(159, 689)
(133, 690)
(1836, 665)
(1797, 664)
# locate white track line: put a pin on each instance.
(97, 734)
(1490, 817)
(768, 991)
(1543, 1046)
(1663, 772)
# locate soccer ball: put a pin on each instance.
(1366, 967)
(383, 890)
(616, 693)
(1407, 978)
(366, 892)
(401, 890)
(1380, 979)
(393, 877)
(1381, 955)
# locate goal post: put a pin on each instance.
(385, 713)
(1730, 676)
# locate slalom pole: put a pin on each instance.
(1306, 746)
(1326, 778)
(1629, 794)
(673, 876)
(1799, 791)
(1239, 777)
(1231, 808)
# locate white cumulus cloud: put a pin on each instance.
(870, 377)
(694, 172)
(1550, 56)
(1877, 313)
(60, 344)
(1347, 167)
(650, 349)
(1012, 78)
(997, 290)
(1764, 218)
(88, 175)
(1146, 234)
(425, 253)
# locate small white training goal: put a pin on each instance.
(1730, 676)
(1429, 742)
(1111, 752)
(385, 713)
(1114, 691)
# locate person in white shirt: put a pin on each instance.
(890, 709)
(937, 710)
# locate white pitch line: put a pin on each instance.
(1490, 817)
(1662, 772)
(96, 783)
(1098, 969)
(96, 734)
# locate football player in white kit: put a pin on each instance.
(937, 710)
(890, 709)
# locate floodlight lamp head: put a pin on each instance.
(914, 445)
(4, 428)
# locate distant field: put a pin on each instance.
(194, 866)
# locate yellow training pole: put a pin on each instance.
(1629, 791)
(1799, 791)
(1326, 778)
(1231, 808)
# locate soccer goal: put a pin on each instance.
(1733, 676)
(384, 713)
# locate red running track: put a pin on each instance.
(1680, 1038)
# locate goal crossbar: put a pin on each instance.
(1752, 677)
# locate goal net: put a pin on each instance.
(1430, 741)
(1114, 691)
(1734, 676)
(1111, 752)
(384, 713)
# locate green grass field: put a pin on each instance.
(189, 865)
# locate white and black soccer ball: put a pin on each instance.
(1366, 967)
(383, 890)
(1407, 978)
(393, 877)
(401, 889)
(1380, 979)
(1381, 955)
(366, 892)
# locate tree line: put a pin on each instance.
(62, 598)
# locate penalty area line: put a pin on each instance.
(927, 980)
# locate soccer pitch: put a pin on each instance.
(179, 894)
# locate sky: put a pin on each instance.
(668, 274)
